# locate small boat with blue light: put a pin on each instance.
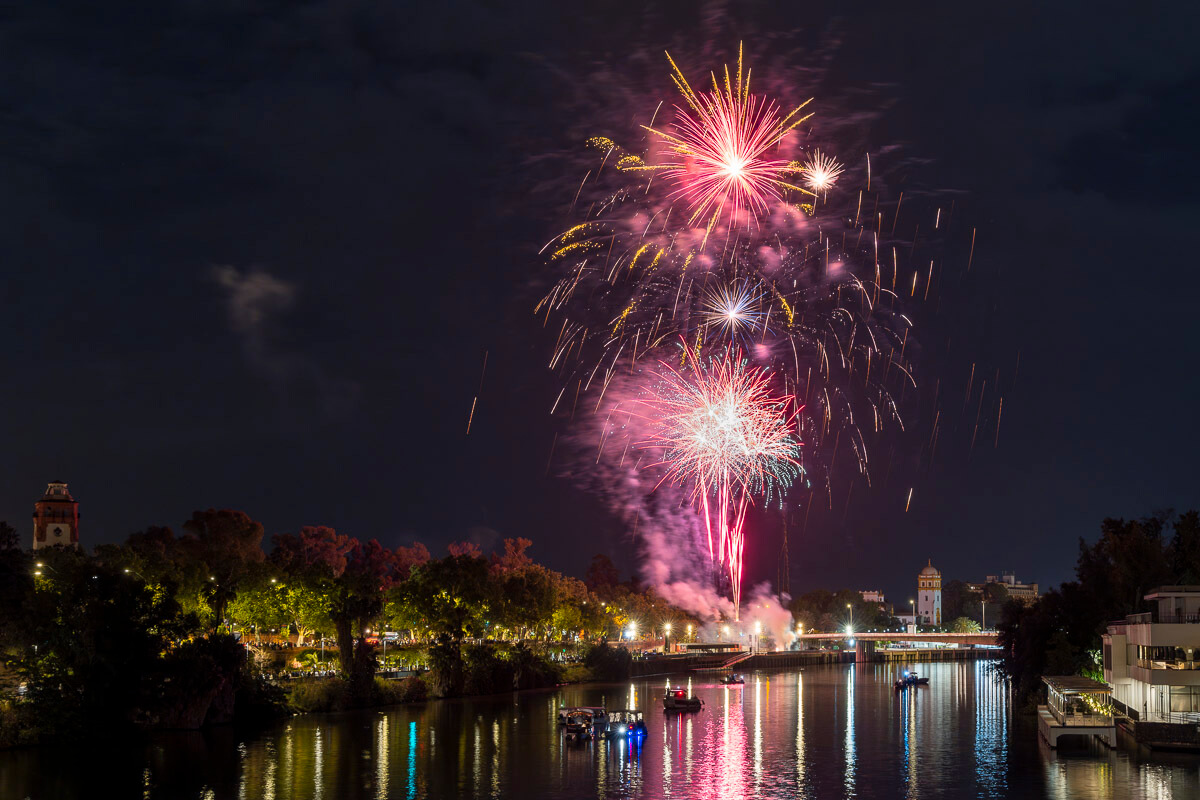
(625, 723)
(733, 679)
(909, 679)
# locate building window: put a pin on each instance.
(1185, 698)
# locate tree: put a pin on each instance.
(1184, 552)
(996, 593)
(225, 544)
(514, 558)
(464, 549)
(9, 539)
(964, 625)
(602, 574)
(351, 577)
(451, 596)
(261, 603)
(89, 641)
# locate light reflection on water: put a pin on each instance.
(831, 731)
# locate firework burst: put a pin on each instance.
(735, 309)
(723, 434)
(719, 150)
(821, 171)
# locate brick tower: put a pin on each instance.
(56, 518)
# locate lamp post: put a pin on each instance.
(912, 610)
(851, 607)
(666, 638)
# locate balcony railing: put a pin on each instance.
(1078, 720)
(1173, 717)
(1160, 663)
(1148, 617)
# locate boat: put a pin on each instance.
(733, 678)
(678, 700)
(580, 725)
(908, 679)
(624, 723)
(565, 711)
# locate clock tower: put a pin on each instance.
(56, 518)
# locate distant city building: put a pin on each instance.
(1027, 592)
(929, 595)
(56, 518)
(873, 596)
(1152, 660)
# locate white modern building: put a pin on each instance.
(1151, 659)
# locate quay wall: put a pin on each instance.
(800, 658)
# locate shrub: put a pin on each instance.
(413, 690)
(329, 694)
(577, 673)
(609, 663)
(17, 725)
(532, 670)
(484, 672)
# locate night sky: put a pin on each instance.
(254, 254)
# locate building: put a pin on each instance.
(1026, 592)
(1076, 706)
(873, 596)
(929, 595)
(1152, 660)
(56, 518)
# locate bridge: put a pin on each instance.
(983, 637)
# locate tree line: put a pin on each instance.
(140, 631)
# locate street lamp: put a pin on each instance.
(851, 628)
(667, 638)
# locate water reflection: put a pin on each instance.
(848, 747)
(801, 756)
(830, 731)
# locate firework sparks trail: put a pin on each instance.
(724, 434)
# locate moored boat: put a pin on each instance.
(678, 700)
(626, 722)
(580, 725)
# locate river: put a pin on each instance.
(827, 731)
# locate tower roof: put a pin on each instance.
(930, 569)
(57, 490)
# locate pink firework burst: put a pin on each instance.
(726, 436)
(719, 148)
